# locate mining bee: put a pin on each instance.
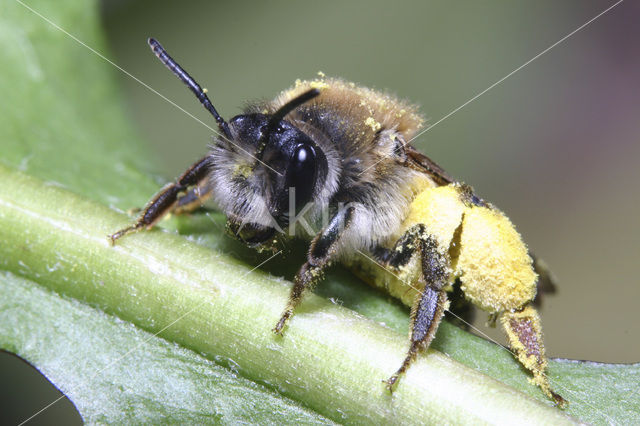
(336, 157)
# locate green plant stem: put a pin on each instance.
(330, 358)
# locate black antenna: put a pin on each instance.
(282, 113)
(190, 82)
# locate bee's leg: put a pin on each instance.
(323, 248)
(525, 338)
(167, 198)
(194, 198)
(429, 307)
(403, 250)
(400, 255)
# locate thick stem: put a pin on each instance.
(330, 358)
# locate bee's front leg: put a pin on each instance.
(170, 197)
(323, 248)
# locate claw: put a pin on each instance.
(283, 321)
(559, 401)
(115, 236)
(125, 231)
(390, 382)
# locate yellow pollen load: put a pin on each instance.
(440, 210)
(494, 264)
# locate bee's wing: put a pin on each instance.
(418, 161)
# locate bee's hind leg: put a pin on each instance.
(525, 338)
(173, 197)
(429, 307)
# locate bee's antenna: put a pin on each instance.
(291, 105)
(282, 113)
(191, 83)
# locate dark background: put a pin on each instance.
(555, 146)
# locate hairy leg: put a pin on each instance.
(525, 337)
(323, 248)
(168, 197)
(429, 307)
(403, 250)
(193, 199)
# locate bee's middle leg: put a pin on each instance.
(322, 250)
(429, 307)
(402, 251)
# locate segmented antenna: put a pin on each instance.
(190, 82)
(282, 113)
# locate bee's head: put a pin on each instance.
(267, 172)
(264, 169)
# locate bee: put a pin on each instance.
(335, 159)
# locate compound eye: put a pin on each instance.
(302, 173)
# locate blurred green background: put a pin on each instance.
(555, 146)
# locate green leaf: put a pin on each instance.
(115, 372)
(183, 302)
